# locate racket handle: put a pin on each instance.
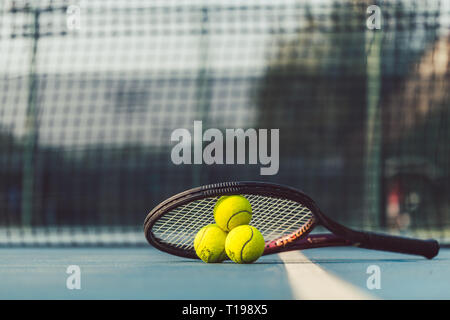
(427, 248)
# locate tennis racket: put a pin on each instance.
(285, 217)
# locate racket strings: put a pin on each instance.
(273, 217)
(176, 227)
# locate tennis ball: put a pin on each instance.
(232, 211)
(244, 244)
(209, 243)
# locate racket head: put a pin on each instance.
(282, 214)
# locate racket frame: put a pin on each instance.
(297, 240)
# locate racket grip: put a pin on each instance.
(427, 248)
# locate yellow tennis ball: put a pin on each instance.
(244, 244)
(232, 211)
(209, 243)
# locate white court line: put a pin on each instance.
(310, 282)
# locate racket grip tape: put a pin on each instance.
(427, 248)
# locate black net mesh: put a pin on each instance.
(91, 91)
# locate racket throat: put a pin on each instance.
(286, 240)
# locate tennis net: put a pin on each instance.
(91, 91)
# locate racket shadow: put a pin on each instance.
(319, 261)
(337, 261)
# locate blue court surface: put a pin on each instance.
(146, 273)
